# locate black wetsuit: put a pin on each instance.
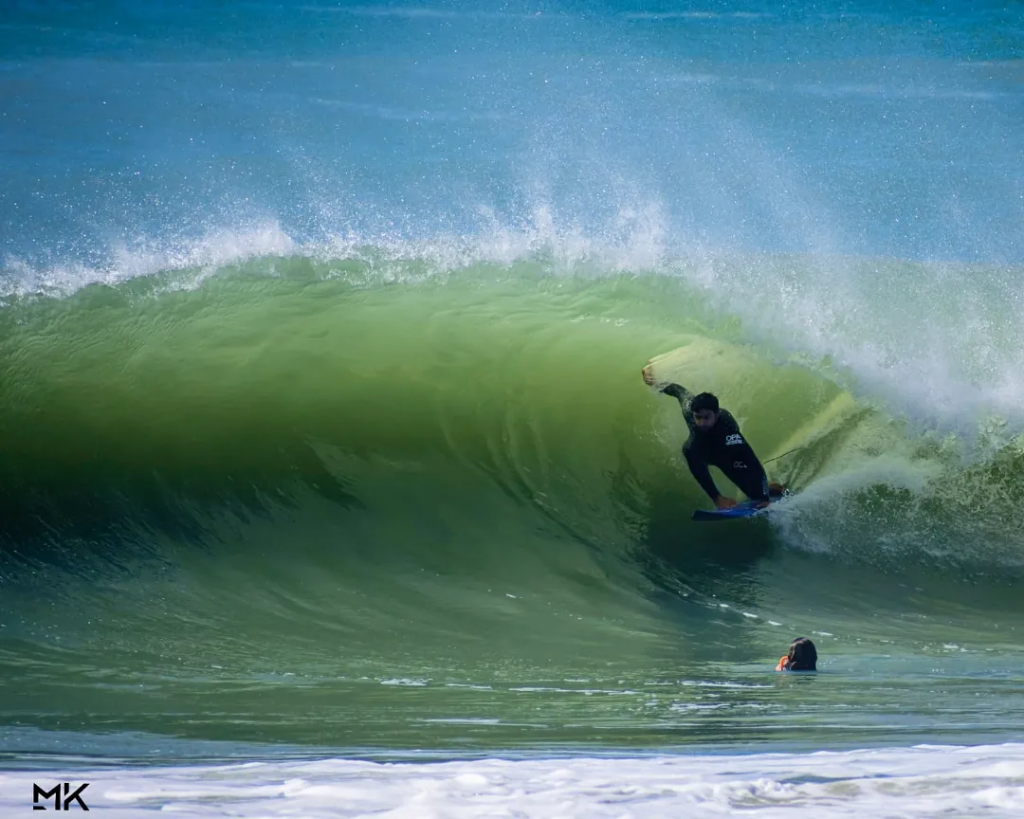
(723, 446)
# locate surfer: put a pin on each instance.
(803, 656)
(715, 440)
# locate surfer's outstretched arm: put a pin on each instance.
(680, 393)
(677, 391)
(684, 397)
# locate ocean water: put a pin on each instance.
(328, 482)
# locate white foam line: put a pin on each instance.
(924, 781)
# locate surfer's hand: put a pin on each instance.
(722, 502)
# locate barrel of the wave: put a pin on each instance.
(715, 438)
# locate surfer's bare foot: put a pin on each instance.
(722, 502)
(776, 489)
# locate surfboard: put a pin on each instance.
(746, 509)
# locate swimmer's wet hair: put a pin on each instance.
(803, 656)
(704, 401)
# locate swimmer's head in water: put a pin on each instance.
(705, 410)
(803, 656)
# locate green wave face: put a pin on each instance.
(325, 499)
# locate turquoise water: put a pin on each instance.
(321, 425)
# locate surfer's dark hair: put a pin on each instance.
(704, 401)
(803, 656)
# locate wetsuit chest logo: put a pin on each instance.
(732, 440)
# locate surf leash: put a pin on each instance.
(783, 455)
